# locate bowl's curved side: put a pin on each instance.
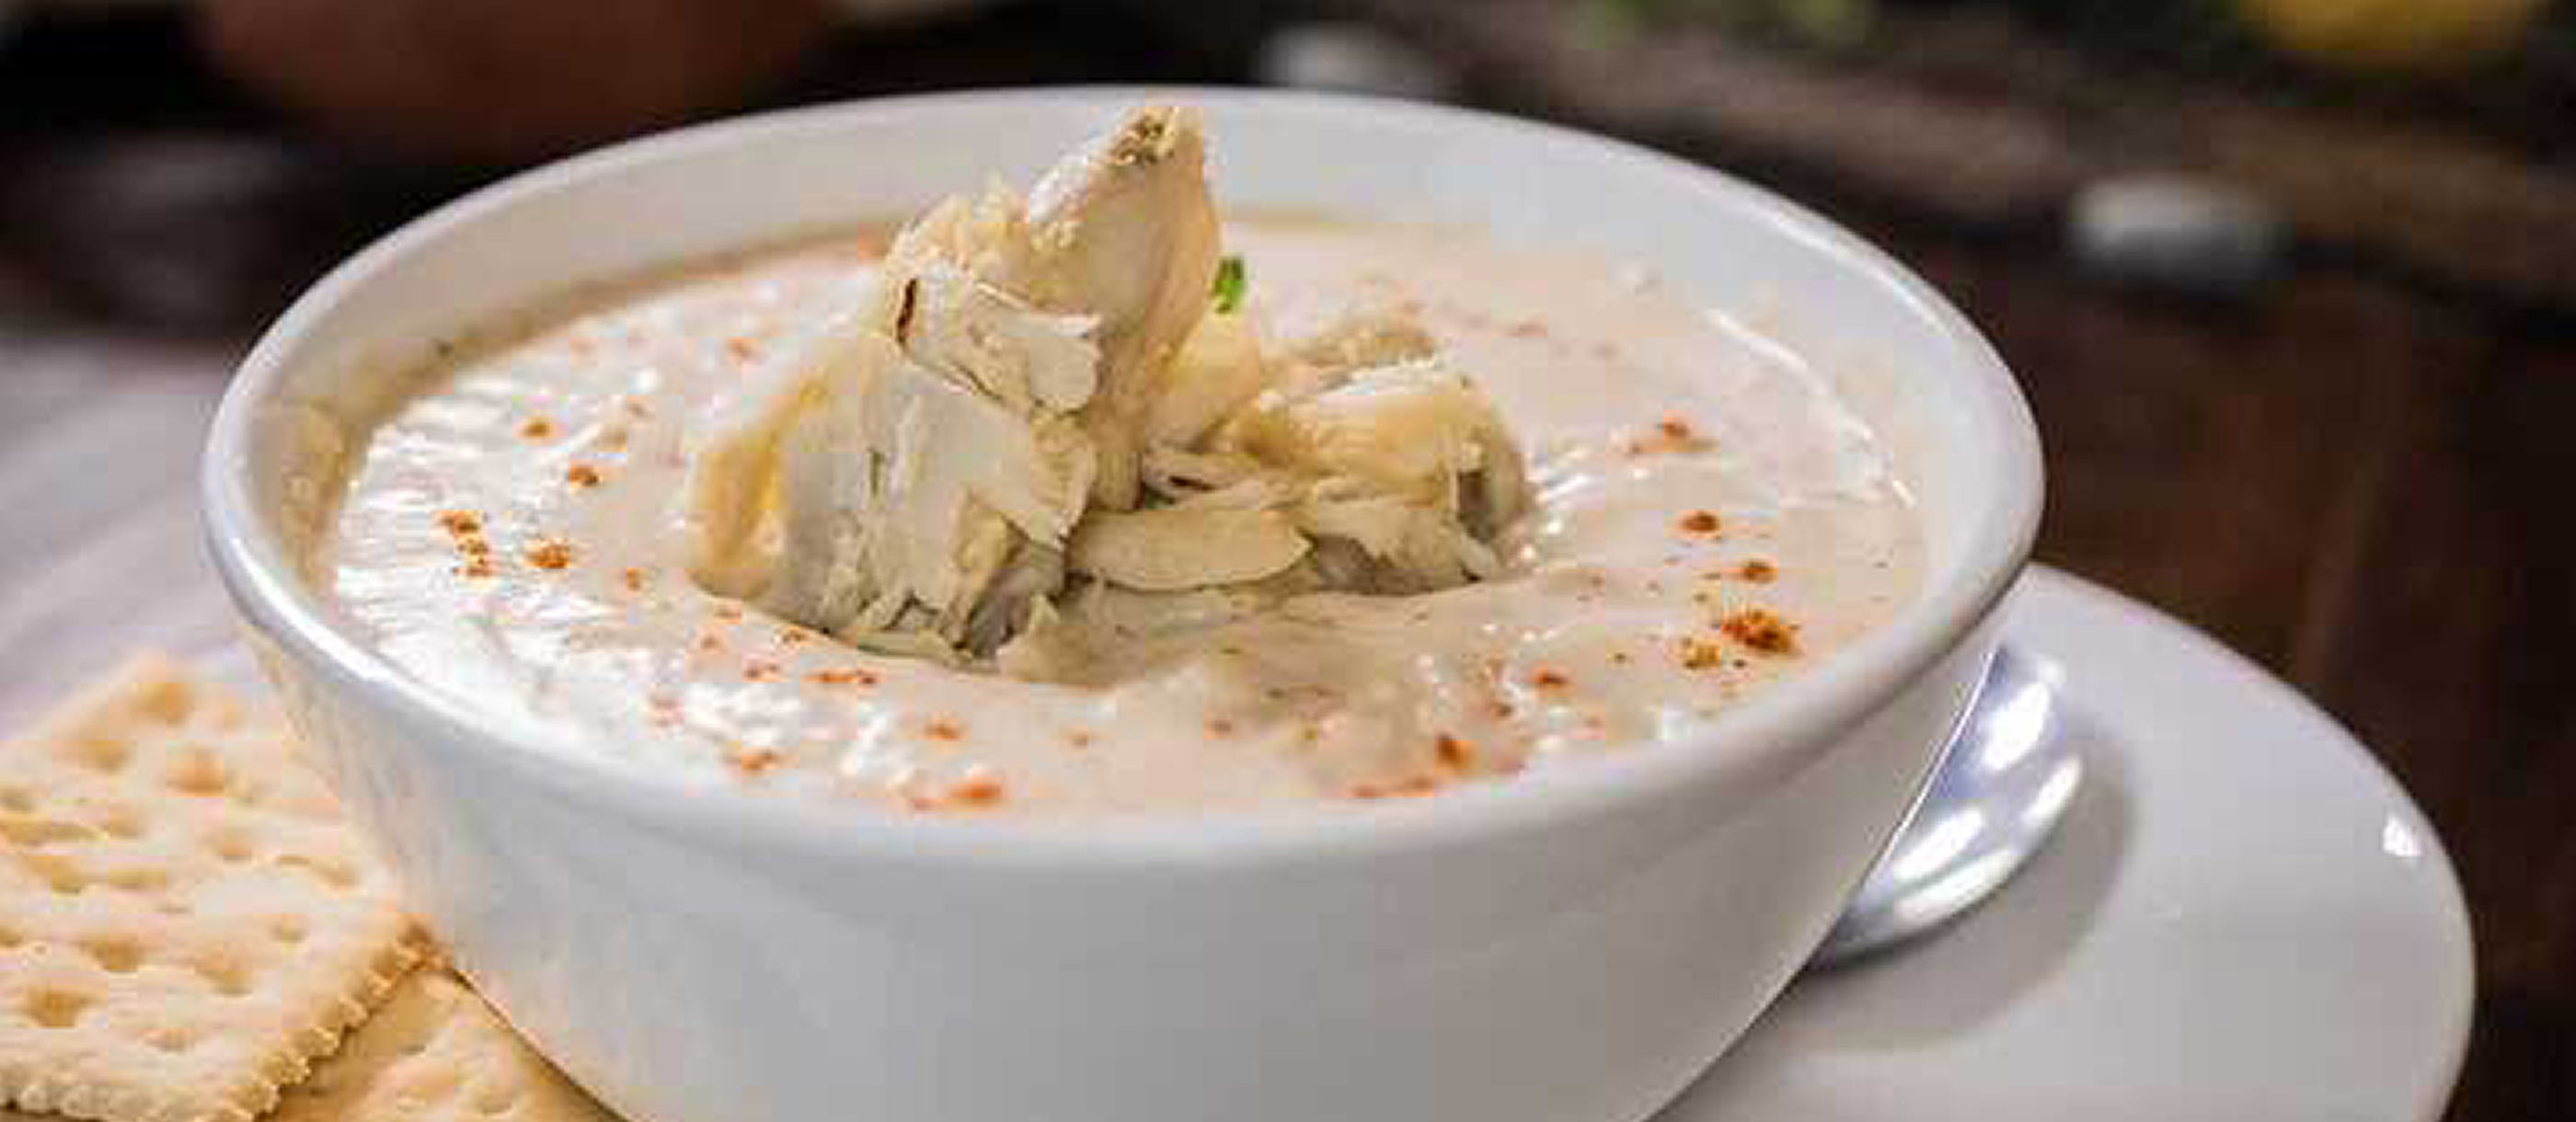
(1586, 972)
(1571, 946)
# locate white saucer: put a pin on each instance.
(2243, 918)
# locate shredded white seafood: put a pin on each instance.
(1041, 427)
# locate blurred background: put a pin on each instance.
(2290, 283)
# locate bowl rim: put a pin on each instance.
(1798, 715)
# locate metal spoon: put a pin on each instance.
(2003, 783)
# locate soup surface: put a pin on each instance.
(1708, 516)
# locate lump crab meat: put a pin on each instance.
(1038, 406)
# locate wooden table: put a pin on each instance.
(2362, 485)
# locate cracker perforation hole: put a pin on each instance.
(230, 845)
(56, 1009)
(230, 978)
(197, 772)
(169, 701)
(33, 832)
(119, 822)
(98, 753)
(329, 871)
(58, 872)
(115, 954)
(142, 881)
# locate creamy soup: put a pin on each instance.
(1706, 517)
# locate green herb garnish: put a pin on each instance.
(1229, 283)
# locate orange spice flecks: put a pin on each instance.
(1672, 434)
(633, 579)
(1757, 571)
(1700, 522)
(941, 728)
(1220, 727)
(1701, 654)
(726, 612)
(1408, 787)
(550, 555)
(1453, 752)
(1762, 630)
(1550, 680)
(461, 522)
(1078, 739)
(979, 787)
(752, 760)
(582, 475)
(790, 636)
(759, 670)
(850, 676)
(538, 428)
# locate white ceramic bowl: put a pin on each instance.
(1567, 947)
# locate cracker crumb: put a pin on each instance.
(1762, 630)
(550, 555)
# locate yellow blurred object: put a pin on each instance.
(2392, 35)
